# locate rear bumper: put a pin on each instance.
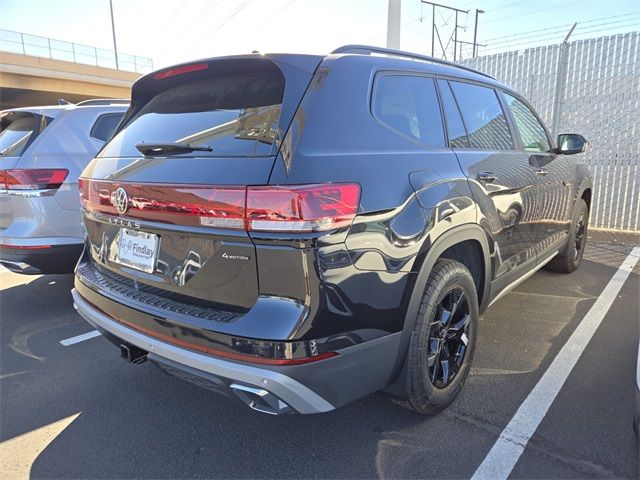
(312, 388)
(40, 259)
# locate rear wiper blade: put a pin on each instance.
(154, 149)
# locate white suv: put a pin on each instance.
(42, 152)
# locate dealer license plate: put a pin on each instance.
(137, 250)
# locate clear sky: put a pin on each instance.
(172, 31)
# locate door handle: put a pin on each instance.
(487, 177)
(541, 172)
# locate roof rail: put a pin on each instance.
(104, 101)
(368, 50)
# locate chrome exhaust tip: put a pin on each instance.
(260, 400)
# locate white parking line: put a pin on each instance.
(80, 338)
(514, 438)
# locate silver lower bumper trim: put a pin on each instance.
(301, 398)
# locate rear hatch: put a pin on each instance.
(164, 200)
(18, 130)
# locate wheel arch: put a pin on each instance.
(586, 195)
(446, 242)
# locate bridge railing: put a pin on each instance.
(34, 45)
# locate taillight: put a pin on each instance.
(193, 205)
(305, 208)
(297, 208)
(33, 179)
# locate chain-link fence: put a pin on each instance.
(591, 87)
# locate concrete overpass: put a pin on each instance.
(28, 80)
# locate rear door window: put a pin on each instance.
(409, 105)
(483, 117)
(105, 125)
(234, 115)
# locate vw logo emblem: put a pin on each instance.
(121, 201)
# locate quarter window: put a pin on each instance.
(409, 104)
(105, 125)
(534, 138)
(483, 117)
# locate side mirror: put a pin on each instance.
(571, 143)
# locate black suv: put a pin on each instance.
(305, 230)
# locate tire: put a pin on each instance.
(569, 259)
(429, 393)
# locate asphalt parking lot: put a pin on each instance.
(78, 411)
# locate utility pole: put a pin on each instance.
(475, 34)
(454, 34)
(433, 30)
(113, 31)
(462, 42)
(455, 39)
(393, 24)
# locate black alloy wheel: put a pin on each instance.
(448, 338)
(569, 258)
(581, 236)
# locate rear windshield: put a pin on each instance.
(19, 129)
(234, 115)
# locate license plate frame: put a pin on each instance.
(132, 249)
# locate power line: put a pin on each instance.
(171, 17)
(199, 15)
(527, 33)
(562, 5)
(276, 14)
(224, 22)
(530, 37)
(556, 27)
(557, 37)
(505, 6)
(580, 30)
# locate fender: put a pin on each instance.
(584, 186)
(583, 180)
(401, 384)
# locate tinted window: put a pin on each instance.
(409, 104)
(455, 127)
(105, 125)
(483, 117)
(235, 115)
(534, 138)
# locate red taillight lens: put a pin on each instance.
(297, 208)
(33, 179)
(306, 208)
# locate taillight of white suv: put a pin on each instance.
(29, 180)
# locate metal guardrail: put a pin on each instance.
(34, 45)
